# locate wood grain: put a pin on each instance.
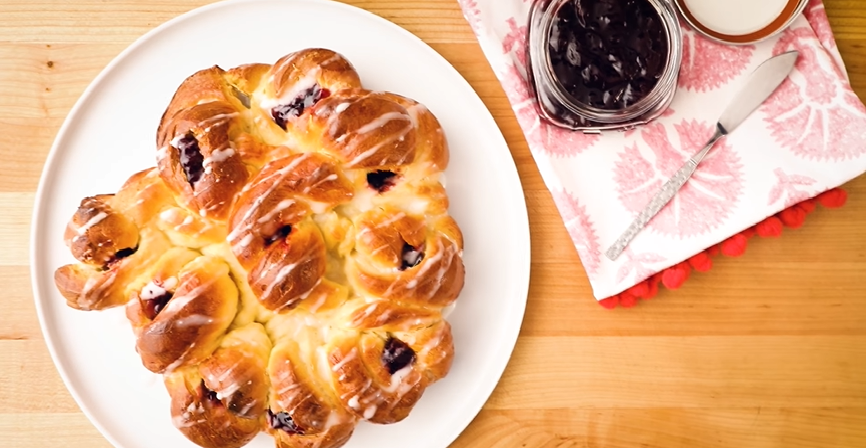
(767, 350)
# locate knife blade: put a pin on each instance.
(760, 86)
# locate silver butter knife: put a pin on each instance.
(762, 83)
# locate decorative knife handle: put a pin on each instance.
(661, 198)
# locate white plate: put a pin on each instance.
(110, 133)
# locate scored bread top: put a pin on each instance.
(288, 263)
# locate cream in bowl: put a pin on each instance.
(740, 22)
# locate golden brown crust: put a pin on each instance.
(204, 419)
(315, 418)
(285, 264)
(301, 69)
(362, 130)
(237, 371)
(372, 378)
(429, 273)
(202, 303)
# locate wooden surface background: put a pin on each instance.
(768, 350)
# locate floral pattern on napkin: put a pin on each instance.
(809, 137)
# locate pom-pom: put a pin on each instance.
(627, 300)
(640, 290)
(674, 276)
(834, 198)
(770, 227)
(793, 217)
(610, 302)
(701, 262)
(735, 245)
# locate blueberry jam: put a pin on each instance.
(280, 234)
(397, 355)
(209, 395)
(307, 98)
(381, 180)
(608, 54)
(190, 158)
(411, 256)
(152, 306)
(120, 255)
(283, 421)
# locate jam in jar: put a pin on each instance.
(603, 64)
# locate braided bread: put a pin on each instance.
(288, 263)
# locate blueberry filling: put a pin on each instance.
(209, 395)
(120, 255)
(608, 54)
(307, 98)
(152, 306)
(411, 257)
(397, 355)
(190, 158)
(283, 421)
(280, 234)
(381, 180)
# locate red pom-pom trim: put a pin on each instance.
(610, 302)
(675, 276)
(701, 262)
(627, 300)
(735, 245)
(769, 228)
(793, 217)
(834, 198)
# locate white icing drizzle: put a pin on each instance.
(282, 205)
(217, 156)
(354, 403)
(92, 222)
(247, 239)
(280, 174)
(161, 154)
(151, 291)
(340, 108)
(328, 178)
(373, 150)
(370, 411)
(216, 120)
(391, 220)
(348, 358)
(397, 380)
(194, 320)
(381, 121)
(176, 140)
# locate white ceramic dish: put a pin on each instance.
(740, 22)
(110, 133)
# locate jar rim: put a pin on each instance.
(658, 94)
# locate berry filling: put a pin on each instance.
(120, 255)
(190, 158)
(152, 306)
(280, 234)
(397, 355)
(209, 395)
(307, 98)
(381, 180)
(283, 421)
(412, 256)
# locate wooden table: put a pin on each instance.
(768, 350)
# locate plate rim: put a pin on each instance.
(37, 226)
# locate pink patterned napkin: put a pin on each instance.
(808, 138)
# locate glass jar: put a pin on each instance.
(568, 58)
